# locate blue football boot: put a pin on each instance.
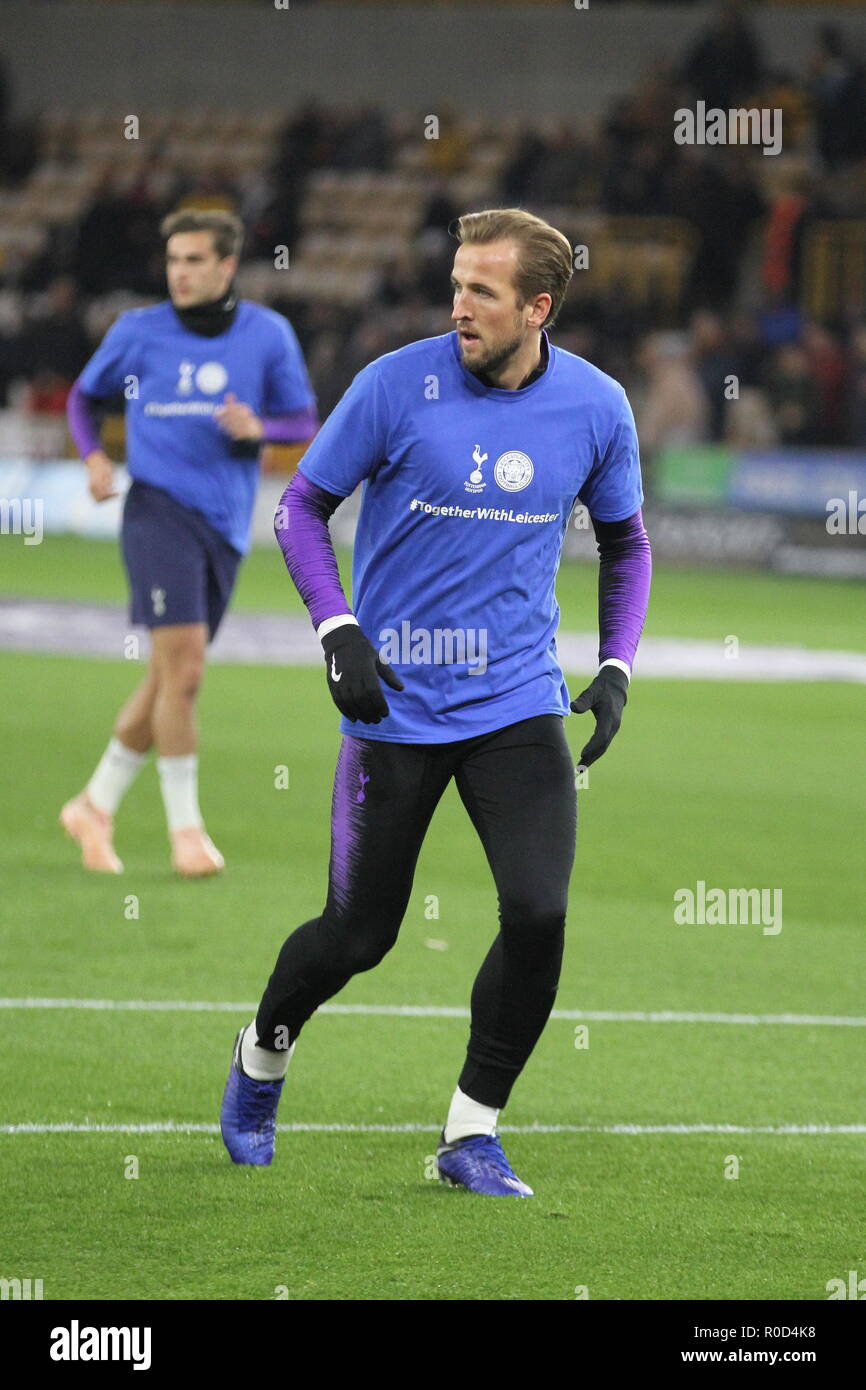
(479, 1164)
(248, 1118)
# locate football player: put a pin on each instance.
(208, 379)
(473, 449)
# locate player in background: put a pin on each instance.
(473, 448)
(208, 379)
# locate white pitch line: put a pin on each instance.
(438, 1011)
(174, 1127)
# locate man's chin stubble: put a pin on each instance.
(493, 361)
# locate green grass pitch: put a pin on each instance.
(737, 784)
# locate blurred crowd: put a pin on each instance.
(742, 363)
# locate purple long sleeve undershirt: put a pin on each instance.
(301, 527)
(83, 424)
(297, 426)
(625, 570)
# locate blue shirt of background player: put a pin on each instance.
(467, 491)
(175, 380)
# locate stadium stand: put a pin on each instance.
(694, 264)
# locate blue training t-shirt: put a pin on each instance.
(466, 499)
(174, 380)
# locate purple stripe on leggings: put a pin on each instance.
(346, 816)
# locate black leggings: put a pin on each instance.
(518, 786)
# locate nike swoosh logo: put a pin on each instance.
(334, 676)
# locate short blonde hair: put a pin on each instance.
(544, 254)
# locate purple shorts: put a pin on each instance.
(180, 569)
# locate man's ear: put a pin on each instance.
(541, 309)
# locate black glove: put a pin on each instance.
(606, 697)
(354, 669)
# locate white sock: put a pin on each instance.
(259, 1062)
(467, 1116)
(115, 772)
(178, 778)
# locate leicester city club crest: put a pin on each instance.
(513, 471)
